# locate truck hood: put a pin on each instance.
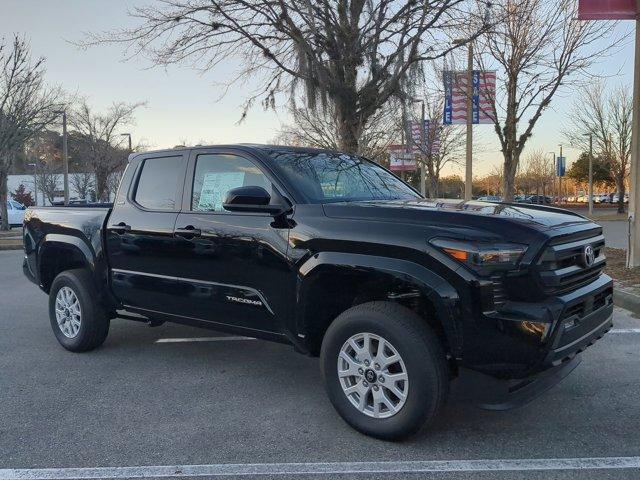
(494, 217)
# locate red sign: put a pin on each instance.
(607, 10)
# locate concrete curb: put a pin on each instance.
(10, 245)
(627, 300)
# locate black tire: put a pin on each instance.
(94, 321)
(421, 352)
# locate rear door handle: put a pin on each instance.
(120, 228)
(187, 232)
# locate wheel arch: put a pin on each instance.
(331, 282)
(58, 253)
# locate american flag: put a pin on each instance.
(432, 138)
(455, 102)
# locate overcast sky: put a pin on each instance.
(182, 104)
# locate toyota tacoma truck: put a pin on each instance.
(330, 253)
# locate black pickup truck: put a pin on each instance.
(334, 255)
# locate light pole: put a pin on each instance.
(561, 163)
(423, 143)
(468, 175)
(65, 155)
(404, 137)
(555, 174)
(590, 135)
(129, 136)
(35, 180)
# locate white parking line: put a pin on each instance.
(202, 339)
(624, 330)
(337, 468)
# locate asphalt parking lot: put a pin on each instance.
(243, 404)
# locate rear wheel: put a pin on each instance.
(78, 320)
(384, 370)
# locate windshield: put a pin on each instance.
(334, 177)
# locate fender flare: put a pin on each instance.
(443, 296)
(68, 242)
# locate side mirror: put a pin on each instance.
(251, 199)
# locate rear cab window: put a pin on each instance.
(159, 183)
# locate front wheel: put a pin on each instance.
(384, 370)
(78, 320)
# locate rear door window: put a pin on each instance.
(159, 183)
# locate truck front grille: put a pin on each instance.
(562, 267)
(499, 292)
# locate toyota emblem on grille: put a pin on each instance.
(588, 256)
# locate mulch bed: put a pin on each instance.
(617, 269)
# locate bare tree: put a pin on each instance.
(491, 183)
(538, 175)
(113, 182)
(608, 118)
(354, 54)
(48, 181)
(27, 106)
(98, 139)
(82, 183)
(538, 46)
(443, 145)
(319, 129)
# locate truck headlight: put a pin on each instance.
(480, 256)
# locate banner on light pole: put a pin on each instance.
(482, 97)
(400, 160)
(561, 166)
(431, 140)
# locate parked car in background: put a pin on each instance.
(539, 199)
(616, 198)
(520, 199)
(490, 198)
(572, 199)
(15, 212)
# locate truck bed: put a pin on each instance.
(66, 230)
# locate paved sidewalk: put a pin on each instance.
(11, 240)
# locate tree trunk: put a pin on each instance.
(509, 177)
(4, 225)
(349, 123)
(347, 137)
(433, 187)
(101, 186)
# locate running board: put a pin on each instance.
(152, 322)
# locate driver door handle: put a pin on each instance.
(120, 228)
(187, 232)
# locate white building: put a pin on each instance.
(14, 182)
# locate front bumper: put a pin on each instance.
(523, 339)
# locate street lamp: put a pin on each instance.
(555, 174)
(560, 162)
(468, 177)
(65, 155)
(423, 143)
(590, 135)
